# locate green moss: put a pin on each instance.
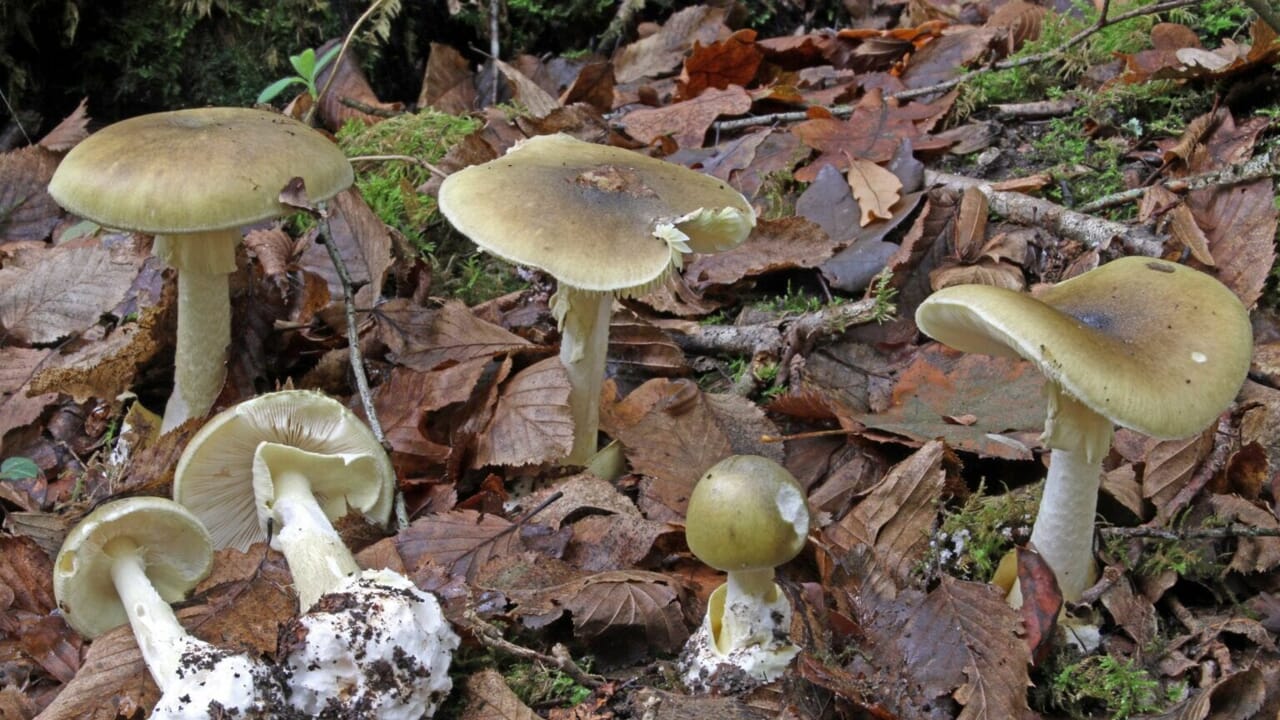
(540, 686)
(971, 539)
(391, 186)
(1108, 686)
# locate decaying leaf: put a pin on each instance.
(462, 541)
(489, 698)
(27, 212)
(62, 291)
(732, 61)
(686, 122)
(664, 50)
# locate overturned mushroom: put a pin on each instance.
(369, 644)
(602, 221)
(1149, 345)
(193, 178)
(125, 562)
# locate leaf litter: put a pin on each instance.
(890, 433)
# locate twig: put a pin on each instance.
(337, 62)
(1072, 224)
(845, 110)
(1266, 12)
(560, 659)
(368, 109)
(405, 158)
(495, 49)
(353, 333)
(1212, 533)
(1263, 165)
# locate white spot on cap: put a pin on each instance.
(1199, 357)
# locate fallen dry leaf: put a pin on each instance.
(686, 122)
(663, 51)
(423, 339)
(489, 698)
(532, 423)
(447, 81)
(875, 188)
(46, 296)
(27, 211)
(732, 61)
(364, 244)
(773, 246)
(461, 540)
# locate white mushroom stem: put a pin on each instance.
(584, 345)
(1063, 530)
(160, 636)
(753, 608)
(318, 559)
(203, 262)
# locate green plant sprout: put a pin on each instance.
(308, 68)
(883, 293)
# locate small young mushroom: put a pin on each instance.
(369, 644)
(193, 178)
(746, 516)
(125, 562)
(292, 462)
(603, 221)
(1150, 345)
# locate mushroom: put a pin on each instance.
(369, 644)
(125, 562)
(603, 221)
(374, 647)
(746, 516)
(1150, 345)
(291, 462)
(193, 178)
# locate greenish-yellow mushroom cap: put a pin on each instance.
(196, 170)
(746, 513)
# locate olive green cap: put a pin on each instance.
(746, 513)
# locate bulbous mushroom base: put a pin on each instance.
(214, 683)
(759, 654)
(376, 647)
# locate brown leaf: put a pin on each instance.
(829, 202)
(423, 339)
(619, 605)
(363, 242)
(1004, 394)
(1041, 601)
(773, 245)
(873, 132)
(28, 573)
(489, 698)
(27, 211)
(638, 349)
(963, 642)
(17, 366)
(593, 86)
(246, 599)
(875, 188)
(112, 682)
(106, 367)
(971, 225)
(613, 542)
(686, 122)
(673, 449)
(1252, 555)
(446, 83)
(48, 295)
(1240, 224)
(68, 133)
(460, 540)
(664, 50)
(732, 61)
(532, 423)
(539, 102)
(887, 533)
(580, 495)
(348, 81)
(1170, 465)
(947, 57)
(983, 272)
(1238, 696)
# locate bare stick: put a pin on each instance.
(495, 29)
(1210, 533)
(1028, 210)
(368, 109)
(491, 637)
(1263, 165)
(353, 333)
(403, 158)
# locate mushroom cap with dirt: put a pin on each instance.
(1146, 344)
(601, 220)
(193, 178)
(125, 562)
(295, 461)
(746, 516)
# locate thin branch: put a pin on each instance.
(403, 158)
(1260, 166)
(368, 109)
(1071, 224)
(560, 659)
(845, 110)
(337, 61)
(1211, 533)
(495, 49)
(1266, 12)
(353, 332)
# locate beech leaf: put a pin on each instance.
(875, 188)
(62, 292)
(532, 422)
